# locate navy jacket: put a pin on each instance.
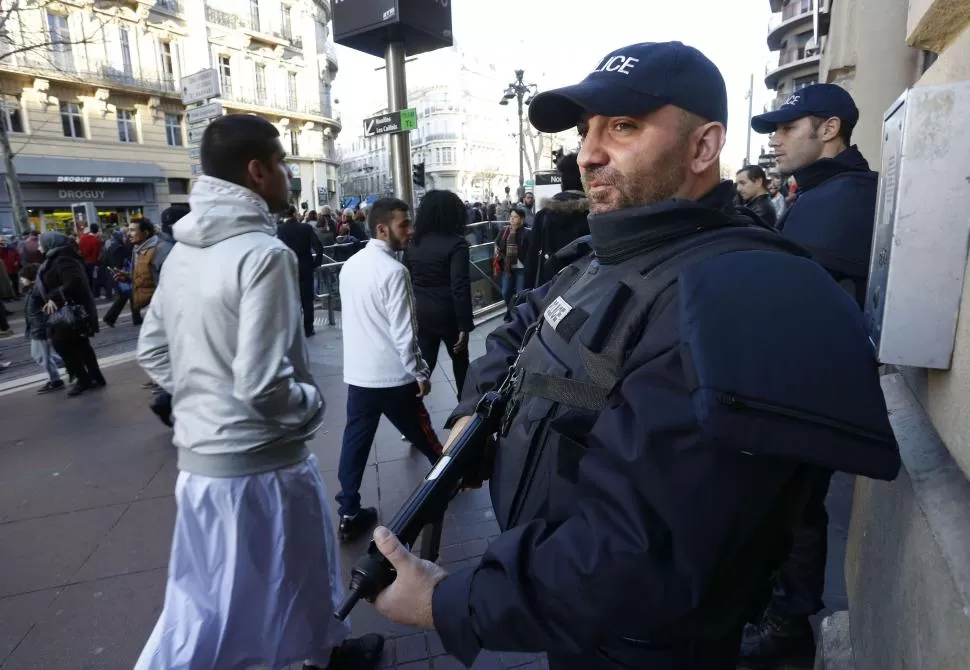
(658, 511)
(833, 217)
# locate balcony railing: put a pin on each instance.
(262, 98)
(261, 27)
(104, 75)
(796, 8)
(791, 55)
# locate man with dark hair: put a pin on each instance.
(752, 186)
(650, 457)
(301, 238)
(561, 220)
(832, 216)
(254, 570)
(383, 367)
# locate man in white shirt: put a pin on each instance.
(254, 571)
(383, 366)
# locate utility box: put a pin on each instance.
(920, 243)
(369, 25)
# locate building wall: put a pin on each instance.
(888, 66)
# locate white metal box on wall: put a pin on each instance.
(922, 228)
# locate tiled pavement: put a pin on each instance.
(86, 513)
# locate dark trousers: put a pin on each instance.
(119, 304)
(404, 409)
(79, 358)
(306, 301)
(14, 282)
(800, 582)
(4, 324)
(430, 344)
(89, 269)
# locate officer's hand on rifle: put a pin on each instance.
(424, 387)
(408, 599)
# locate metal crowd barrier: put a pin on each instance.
(481, 238)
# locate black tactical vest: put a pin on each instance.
(594, 316)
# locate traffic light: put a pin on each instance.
(417, 173)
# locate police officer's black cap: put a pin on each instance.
(637, 80)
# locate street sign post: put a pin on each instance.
(401, 121)
(195, 132)
(201, 86)
(405, 28)
(205, 112)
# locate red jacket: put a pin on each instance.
(90, 247)
(11, 260)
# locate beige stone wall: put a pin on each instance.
(866, 55)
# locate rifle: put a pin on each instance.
(466, 460)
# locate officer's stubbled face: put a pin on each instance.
(627, 161)
(797, 144)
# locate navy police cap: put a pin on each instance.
(633, 81)
(824, 100)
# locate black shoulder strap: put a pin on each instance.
(613, 331)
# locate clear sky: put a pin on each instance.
(558, 42)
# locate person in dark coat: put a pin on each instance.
(64, 282)
(511, 248)
(561, 220)
(752, 183)
(437, 259)
(301, 238)
(832, 216)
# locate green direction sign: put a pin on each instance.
(401, 121)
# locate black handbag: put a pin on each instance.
(73, 317)
(69, 317)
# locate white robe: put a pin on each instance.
(254, 575)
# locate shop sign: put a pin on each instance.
(87, 194)
(65, 179)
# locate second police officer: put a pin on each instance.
(679, 387)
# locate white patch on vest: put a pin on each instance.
(556, 312)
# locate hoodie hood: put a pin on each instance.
(221, 210)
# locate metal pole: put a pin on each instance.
(521, 150)
(747, 147)
(397, 99)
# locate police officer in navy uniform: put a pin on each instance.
(678, 388)
(832, 218)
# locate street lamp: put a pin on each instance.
(524, 93)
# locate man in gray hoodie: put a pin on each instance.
(254, 572)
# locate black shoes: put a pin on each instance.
(356, 653)
(49, 387)
(352, 527)
(777, 641)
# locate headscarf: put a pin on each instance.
(53, 241)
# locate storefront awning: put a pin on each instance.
(350, 203)
(83, 171)
(371, 199)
